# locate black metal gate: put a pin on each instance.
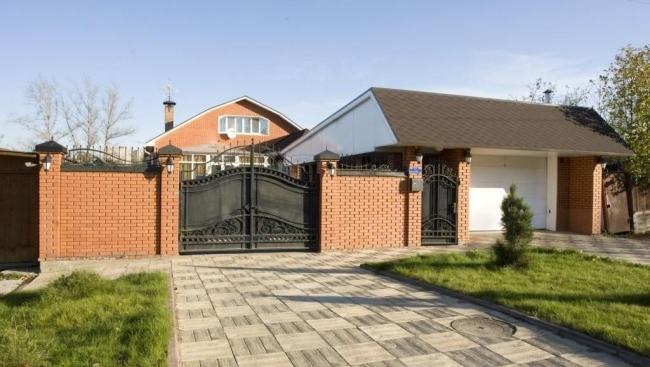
(249, 207)
(439, 199)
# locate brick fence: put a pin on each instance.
(103, 213)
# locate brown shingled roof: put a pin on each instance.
(443, 120)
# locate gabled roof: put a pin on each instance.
(242, 98)
(444, 120)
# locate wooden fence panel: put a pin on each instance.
(18, 211)
(615, 208)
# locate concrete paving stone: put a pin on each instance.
(407, 347)
(270, 308)
(301, 341)
(519, 351)
(216, 349)
(289, 327)
(550, 362)
(248, 331)
(304, 306)
(385, 331)
(187, 292)
(368, 320)
(278, 359)
(277, 317)
(352, 311)
(254, 345)
(388, 363)
(357, 354)
(420, 327)
(287, 293)
(387, 292)
(448, 341)
(345, 336)
(446, 321)
(202, 323)
(436, 312)
(234, 311)
(317, 314)
(402, 316)
(194, 305)
(594, 359)
(322, 357)
(244, 320)
(556, 344)
(232, 302)
(429, 360)
(330, 324)
(478, 357)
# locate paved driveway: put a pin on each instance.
(629, 249)
(309, 309)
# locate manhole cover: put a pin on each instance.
(482, 326)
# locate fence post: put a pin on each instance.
(413, 199)
(326, 166)
(169, 199)
(50, 158)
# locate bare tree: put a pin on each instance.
(85, 113)
(114, 113)
(572, 96)
(45, 103)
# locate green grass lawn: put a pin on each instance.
(604, 298)
(85, 320)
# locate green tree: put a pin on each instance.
(516, 219)
(625, 93)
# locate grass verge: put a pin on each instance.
(604, 298)
(85, 320)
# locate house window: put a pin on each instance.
(193, 166)
(244, 125)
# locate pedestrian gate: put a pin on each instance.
(439, 205)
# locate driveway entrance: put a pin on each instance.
(321, 309)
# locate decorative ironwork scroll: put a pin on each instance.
(439, 200)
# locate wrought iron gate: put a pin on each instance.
(439, 199)
(246, 208)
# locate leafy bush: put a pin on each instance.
(516, 219)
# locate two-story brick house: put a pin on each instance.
(217, 138)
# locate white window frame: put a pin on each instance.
(245, 120)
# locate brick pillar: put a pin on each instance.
(49, 199)
(169, 200)
(585, 195)
(413, 199)
(455, 158)
(328, 220)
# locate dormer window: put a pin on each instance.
(244, 125)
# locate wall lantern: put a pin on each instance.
(602, 162)
(419, 156)
(468, 156)
(331, 168)
(169, 164)
(47, 162)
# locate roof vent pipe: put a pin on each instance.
(548, 96)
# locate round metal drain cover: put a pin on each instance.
(483, 326)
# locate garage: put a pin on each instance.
(491, 176)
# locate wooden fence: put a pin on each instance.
(618, 200)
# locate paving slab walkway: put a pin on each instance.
(622, 248)
(311, 309)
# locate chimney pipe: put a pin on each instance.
(169, 114)
(548, 94)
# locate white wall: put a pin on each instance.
(359, 129)
(551, 191)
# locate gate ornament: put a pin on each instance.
(439, 198)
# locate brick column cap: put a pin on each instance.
(170, 150)
(327, 155)
(50, 146)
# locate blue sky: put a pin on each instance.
(304, 58)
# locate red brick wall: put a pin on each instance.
(204, 130)
(107, 214)
(455, 158)
(368, 211)
(579, 195)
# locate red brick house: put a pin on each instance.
(206, 135)
(553, 153)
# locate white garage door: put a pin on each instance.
(491, 178)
